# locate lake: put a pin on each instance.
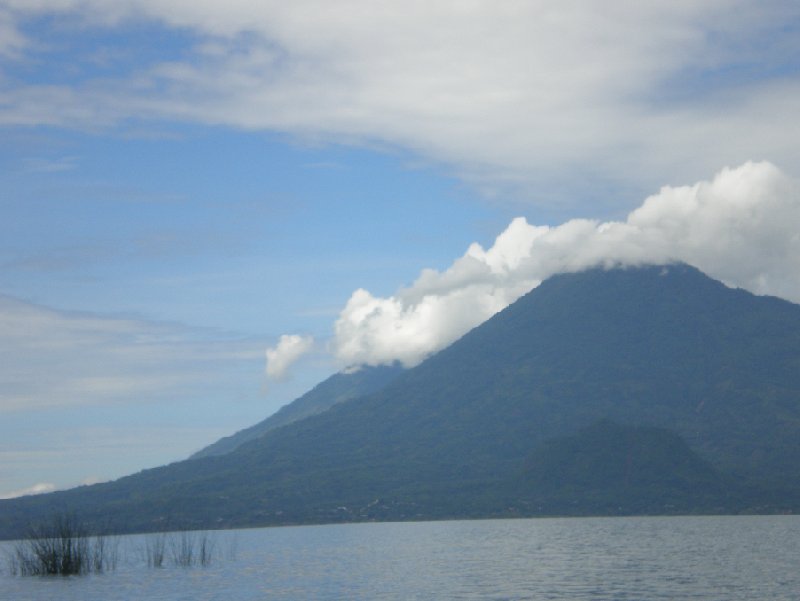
(716, 558)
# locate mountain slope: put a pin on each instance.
(338, 388)
(621, 469)
(656, 347)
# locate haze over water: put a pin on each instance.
(647, 558)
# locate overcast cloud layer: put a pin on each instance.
(741, 228)
(556, 98)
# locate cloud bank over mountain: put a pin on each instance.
(741, 227)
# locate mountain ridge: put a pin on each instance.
(338, 388)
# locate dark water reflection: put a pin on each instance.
(714, 558)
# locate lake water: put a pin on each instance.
(715, 558)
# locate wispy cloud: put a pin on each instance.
(53, 358)
(12, 41)
(49, 165)
(63, 258)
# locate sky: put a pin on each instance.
(208, 207)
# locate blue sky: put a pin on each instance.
(186, 182)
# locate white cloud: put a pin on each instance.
(289, 349)
(741, 227)
(36, 489)
(550, 95)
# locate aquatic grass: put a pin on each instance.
(185, 549)
(62, 547)
(206, 549)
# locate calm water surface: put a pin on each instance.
(716, 558)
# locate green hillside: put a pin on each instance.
(615, 469)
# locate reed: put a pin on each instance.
(62, 547)
(184, 549)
